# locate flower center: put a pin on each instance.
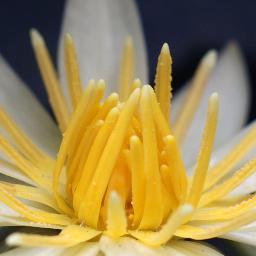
(120, 154)
(124, 148)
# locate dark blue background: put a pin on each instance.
(190, 27)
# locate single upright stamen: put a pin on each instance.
(203, 159)
(153, 208)
(126, 75)
(50, 79)
(72, 71)
(192, 98)
(163, 80)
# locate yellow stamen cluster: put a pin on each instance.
(125, 146)
(119, 170)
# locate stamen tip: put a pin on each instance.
(165, 48)
(36, 37)
(210, 58)
(214, 96)
(13, 240)
(128, 41)
(101, 83)
(187, 208)
(68, 38)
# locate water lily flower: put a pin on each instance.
(133, 173)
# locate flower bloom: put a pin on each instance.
(118, 183)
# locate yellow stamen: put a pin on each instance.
(50, 79)
(116, 218)
(136, 84)
(200, 233)
(153, 208)
(33, 215)
(69, 236)
(177, 170)
(127, 70)
(119, 170)
(167, 181)
(30, 193)
(94, 156)
(92, 201)
(75, 167)
(228, 185)
(163, 80)
(72, 71)
(192, 98)
(138, 179)
(35, 174)
(219, 170)
(76, 164)
(167, 231)
(225, 213)
(204, 152)
(23, 143)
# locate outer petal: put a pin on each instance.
(244, 249)
(249, 185)
(26, 111)
(193, 248)
(34, 251)
(230, 80)
(247, 237)
(130, 247)
(125, 247)
(99, 28)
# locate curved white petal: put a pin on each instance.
(230, 80)
(244, 249)
(84, 249)
(99, 28)
(249, 185)
(9, 221)
(130, 247)
(8, 170)
(125, 247)
(34, 251)
(194, 248)
(244, 235)
(26, 111)
(226, 147)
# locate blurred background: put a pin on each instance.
(190, 28)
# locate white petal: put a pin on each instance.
(242, 237)
(99, 28)
(5, 210)
(84, 249)
(8, 170)
(230, 80)
(249, 185)
(26, 111)
(225, 148)
(34, 251)
(125, 247)
(194, 248)
(8, 221)
(243, 249)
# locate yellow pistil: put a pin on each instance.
(119, 170)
